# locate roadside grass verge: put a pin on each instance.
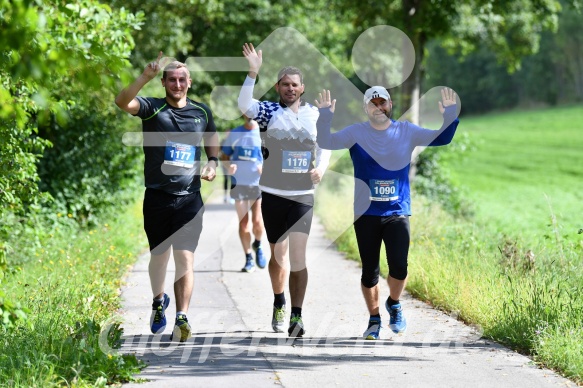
(524, 296)
(71, 288)
(70, 284)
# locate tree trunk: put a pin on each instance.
(411, 88)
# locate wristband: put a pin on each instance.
(214, 159)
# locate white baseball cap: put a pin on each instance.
(376, 92)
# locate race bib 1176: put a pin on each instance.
(295, 161)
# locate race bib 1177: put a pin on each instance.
(178, 154)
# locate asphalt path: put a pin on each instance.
(233, 343)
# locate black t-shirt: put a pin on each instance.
(172, 138)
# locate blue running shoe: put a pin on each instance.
(158, 317)
(373, 330)
(259, 257)
(398, 323)
(249, 265)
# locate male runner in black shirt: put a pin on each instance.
(173, 128)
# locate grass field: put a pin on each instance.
(525, 166)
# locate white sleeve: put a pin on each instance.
(248, 105)
(322, 158)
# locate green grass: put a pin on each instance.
(515, 268)
(68, 281)
(71, 288)
(525, 166)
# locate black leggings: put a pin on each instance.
(394, 232)
(226, 178)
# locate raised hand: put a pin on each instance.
(255, 58)
(153, 68)
(448, 98)
(325, 101)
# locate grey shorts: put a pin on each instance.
(245, 193)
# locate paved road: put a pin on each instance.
(233, 344)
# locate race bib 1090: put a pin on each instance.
(384, 190)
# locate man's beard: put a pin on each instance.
(380, 119)
(287, 102)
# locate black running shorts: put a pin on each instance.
(282, 215)
(172, 220)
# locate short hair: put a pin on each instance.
(290, 70)
(174, 65)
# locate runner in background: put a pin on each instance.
(243, 148)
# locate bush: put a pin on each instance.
(88, 166)
(433, 179)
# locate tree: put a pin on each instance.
(569, 43)
(52, 54)
(553, 75)
(511, 29)
(203, 28)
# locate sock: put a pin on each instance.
(376, 316)
(180, 313)
(256, 244)
(392, 302)
(297, 311)
(279, 300)
(248, 256)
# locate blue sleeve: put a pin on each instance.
(226, 147)
(428, 137)
(327, 140)
(450, 119)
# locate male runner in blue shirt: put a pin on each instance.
(381, 150)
